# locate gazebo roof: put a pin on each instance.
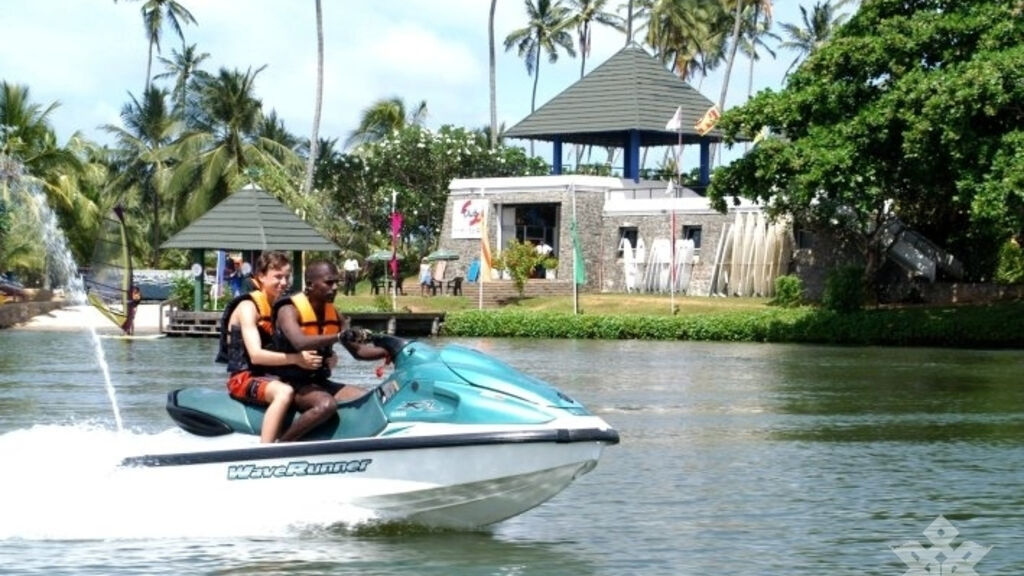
(250, 219)
(632, 90)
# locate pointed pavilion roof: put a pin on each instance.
(250, 219)
(632, 90)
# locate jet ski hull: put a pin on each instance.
(437, 476)
(453, 438)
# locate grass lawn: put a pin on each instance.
(598, 304)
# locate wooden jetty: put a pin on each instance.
(207, 324)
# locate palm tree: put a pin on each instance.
(383, 118)
(585, 13)
(272, 128)
(31, 157)
(182, 67)
(688, 34)
(224, 149)
(544, 32)
(327, 152)
(307, 184)
(155, 13)
(144, 153)
(756, 28)
(493, 79)
(734, 44)
(817, 28)
(27, 137)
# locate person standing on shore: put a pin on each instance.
(351, 268)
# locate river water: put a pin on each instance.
(740, 459)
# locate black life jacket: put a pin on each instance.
(231, 350)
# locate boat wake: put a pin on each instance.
(66, 483)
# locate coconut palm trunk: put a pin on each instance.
(307, 184)
(737, 20)
(493, 77)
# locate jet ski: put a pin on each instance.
(452, 437)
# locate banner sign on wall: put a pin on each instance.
(468, 217)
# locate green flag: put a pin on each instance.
(578, 269)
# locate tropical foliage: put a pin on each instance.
(996, 326)
(914, 109)
(520, 259)
(417, 165)
(545, 33)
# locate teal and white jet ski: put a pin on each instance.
(452, 438)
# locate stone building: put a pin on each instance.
(631, 231)
(607, 211)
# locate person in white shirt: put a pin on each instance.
(351, 267)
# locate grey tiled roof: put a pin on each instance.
(632, 90)
(250, 219)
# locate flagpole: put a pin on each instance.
(672, 222)
(480, 269)
(575, 286)
(394, 252)
(672, 259)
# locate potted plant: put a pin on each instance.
(550, 264)
(519, 259)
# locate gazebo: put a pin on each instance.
(249, 219)
(625, 102)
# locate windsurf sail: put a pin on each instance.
(109, 282)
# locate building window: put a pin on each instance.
(627, 233)
(804, 238)
(692, 233)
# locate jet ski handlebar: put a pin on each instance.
(392, 344)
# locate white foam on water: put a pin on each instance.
(66, 483)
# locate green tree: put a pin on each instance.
(545, 32)
(419, 165)
(914, 109)
(224, 151)
(814, 30)
(145, 156)
(687, 35)
(385, 117)
(182, 67)
(272, 127)
(756, 28)
(31, 158)
(157, 13)
(584, 13)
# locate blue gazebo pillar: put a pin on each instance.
(556, 155)
(705, 162)
(631, 156)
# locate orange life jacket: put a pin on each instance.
(264, 309)
(307, 317)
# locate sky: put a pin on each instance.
(89, 55)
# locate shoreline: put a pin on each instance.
(60, 316)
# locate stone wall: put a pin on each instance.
(13, 313)
(589, 208)
(649, 227)
(942, 293)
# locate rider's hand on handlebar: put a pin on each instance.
(355, 336)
